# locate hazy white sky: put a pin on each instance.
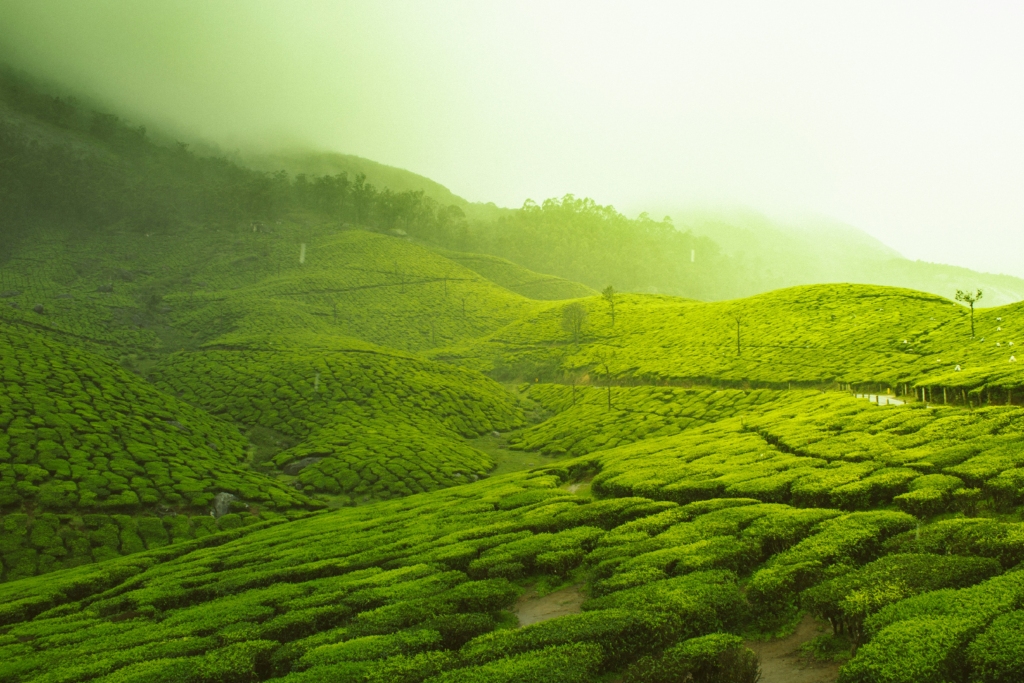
(904, 119)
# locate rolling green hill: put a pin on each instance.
(822, 336)
(360, 421)
(150, 293)
(252, 429)
(94, 462)
(517, 279)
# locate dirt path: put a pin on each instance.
(782, 661)
(531, 608)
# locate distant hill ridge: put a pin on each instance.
(67, 163)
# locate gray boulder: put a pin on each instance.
(293, 468)
(222, 504)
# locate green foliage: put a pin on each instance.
(714, 658)
(374, 423)
(714, 493)
(847, 600)
(850, 539)
(997, 655)
(925, 637)
(622, 635)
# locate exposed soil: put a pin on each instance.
(782, 661)
(531, 608)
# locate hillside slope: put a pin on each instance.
(821, 335)
(359, 421)
(517, 279)
(380, 175)
(420, 589)
(95, 462)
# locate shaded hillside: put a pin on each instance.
(357, 422)
(95, 463)
(64, 163)
(380, 175)
(517, 279)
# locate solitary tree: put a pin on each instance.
(970, 300)
(739, 321)
(609, 295)
(573, 377)
(602, 362)
(574, 317)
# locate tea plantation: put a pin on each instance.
(131, 292)
(515, 278)
(257, 456)
(95, 462)
(825, 336)
(366, 421)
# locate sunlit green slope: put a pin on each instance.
(822, 335)
(584, 422)
(95, 462)
(725, 528)
(358, 420)
(812, 448)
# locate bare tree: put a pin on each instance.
(602, 362)
(574, 318)
(609, 295)
(969, 299)
(739, 321)
(573, 377)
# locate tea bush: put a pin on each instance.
(715, 658)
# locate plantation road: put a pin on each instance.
(882, 400)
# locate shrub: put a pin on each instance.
(576, 663)
(997, 655)
(714, 658)
(920, 649)
(846, 601)
(622, 635)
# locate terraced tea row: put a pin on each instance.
(45, 542)
(584, 423)
(368, 422)
(829, 449)
(397, 589)
(416, 590)
(81, 433)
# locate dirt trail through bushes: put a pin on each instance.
(782, 661)
(532, 608)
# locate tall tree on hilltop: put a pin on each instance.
(969, 299)
(574, 318)
(609, 295)
(739, 321)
